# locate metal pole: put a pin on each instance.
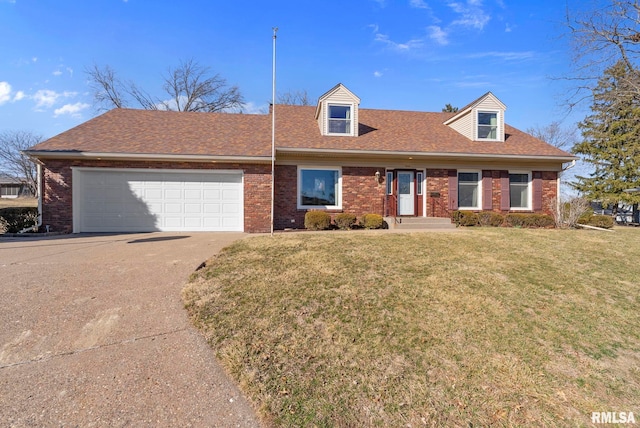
(273, 130)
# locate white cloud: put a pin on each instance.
(377, 74)
(507, 56)
(253, 108)
(45, 98)
(418, 4)
(5, 92)
(71, 109)
(402, 47)
(438, 35)
(471, 14)
(57, 73)
(19, 95)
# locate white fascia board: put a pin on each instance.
(423, 155)
(144, 156)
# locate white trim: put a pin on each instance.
(422, 155)
(477, 125)
(529, 206)
(338, 196)
(479, 186)
(146, 156)
(76, 172)
(352, 119)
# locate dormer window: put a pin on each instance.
(339, 119)
(337, 112)
(488, 125)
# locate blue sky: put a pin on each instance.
(393, 54)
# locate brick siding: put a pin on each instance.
(361, 194)
(57, 189)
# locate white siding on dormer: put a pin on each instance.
(464, 125)
(490, 104)
(466, 121)
(342, 96)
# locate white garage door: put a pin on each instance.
(125, 200)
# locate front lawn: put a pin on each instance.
(475, 328)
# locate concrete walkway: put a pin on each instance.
(93, 333)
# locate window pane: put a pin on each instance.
(339, 126)
(488, 132)
(319, 187)
(404, 184)
(419, 180)
(468, 189)
(340, 112)
(389, 183)
(468, 177)
(486, 118)
(519, 190)
(488, 125)
(339, 119)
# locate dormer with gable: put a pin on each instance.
(337, 112)
(482, 120)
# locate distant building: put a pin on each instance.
(12, 187)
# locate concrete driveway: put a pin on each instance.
(94, 333)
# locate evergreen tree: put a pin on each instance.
(611, 139)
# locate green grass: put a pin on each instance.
(498, 327)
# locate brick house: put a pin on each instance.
(137, 170)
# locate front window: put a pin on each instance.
(469, 190)
(319, 188)
(519, 191)
(419, 182)
(339, 119)
(10, 190)
(487, 125)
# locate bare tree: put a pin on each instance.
(554, 134)
(299, 98)
(107, 88)
(190, 87)
(601, 38)
(15, 163)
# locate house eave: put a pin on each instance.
(144, 156)
(420, 155)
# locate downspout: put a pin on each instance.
(568, 167)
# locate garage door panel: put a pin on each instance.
(134, 201)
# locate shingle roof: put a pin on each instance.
(127, 131)
(131, 131)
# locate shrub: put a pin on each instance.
(317, 220)
(529, 220)
(17, 219)
(372, 221)
(345, 221)
(489, 218)
(515, 220)
(465, 218)
(603, 221)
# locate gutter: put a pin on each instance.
(73, 154)
(379, 153)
